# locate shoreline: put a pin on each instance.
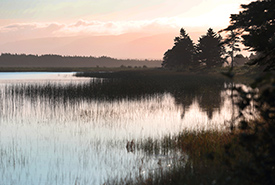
(241, 74)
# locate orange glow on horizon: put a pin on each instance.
(146, 22)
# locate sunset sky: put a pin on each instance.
(35, 26)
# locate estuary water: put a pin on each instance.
(59, 129)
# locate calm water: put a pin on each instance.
(46, 138)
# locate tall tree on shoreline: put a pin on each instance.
(232, 41)
(256, 25)
(210, 50)
(182, 54)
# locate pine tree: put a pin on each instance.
(210, 50)
(182, 54)
(256, 26)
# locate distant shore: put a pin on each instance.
(68, 69)
(25, 62)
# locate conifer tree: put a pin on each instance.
(210, 50)
(182, 54)
(256, 25)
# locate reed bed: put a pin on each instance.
(133, 85)
(189, 153)
(96, 89)
(205, 156)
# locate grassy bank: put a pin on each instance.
(243, 74)
(208, 160)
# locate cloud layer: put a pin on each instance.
(37, 26)
(59, 18)
(23, 31)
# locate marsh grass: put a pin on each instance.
(133, 85)
(205, 156)
(205, 150)
(242, 74)
(184, 87)
(96, 89)
(163, 81)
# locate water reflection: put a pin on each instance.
(207, 97)
(4, 76)
(53, 132)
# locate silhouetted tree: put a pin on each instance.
(182, 54)
(210, 50)
(256, 24)
(232, 41)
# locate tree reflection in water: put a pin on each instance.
(186, 89)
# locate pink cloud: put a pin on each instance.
(132, 39)
(21, 31)
(121, 39)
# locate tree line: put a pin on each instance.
(209, 51)
(255, 32)
(186, 54)
(51, 60)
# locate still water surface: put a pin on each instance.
(46, 140)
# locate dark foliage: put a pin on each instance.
(210, 50)
(257, 136)
(232, 41)
(182, 54)
(256, 25)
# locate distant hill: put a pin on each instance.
(52, 61)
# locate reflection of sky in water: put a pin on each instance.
(85, 142)
(36, 76)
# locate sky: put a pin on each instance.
(26, 23)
